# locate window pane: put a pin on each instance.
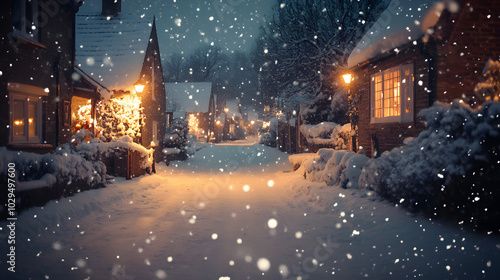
(32, 119)
(18, 116)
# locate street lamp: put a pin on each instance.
(352, 110)
(347, 78)
(139, 88)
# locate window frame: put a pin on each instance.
(22, 30)
(26, 93)
(406, 96)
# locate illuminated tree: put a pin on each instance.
(122, 116)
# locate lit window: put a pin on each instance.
(26, 116)
(392, 95)
(25, 18)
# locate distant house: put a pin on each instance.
(415, 54)
(36, 68)
(234, 122)
(120, 52)
(194, 102)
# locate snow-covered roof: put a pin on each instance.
(402, 22)
(111, 49)
(188, 97)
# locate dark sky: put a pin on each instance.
(183, 25)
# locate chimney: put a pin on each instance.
(111, 7)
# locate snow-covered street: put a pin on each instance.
(237, 211)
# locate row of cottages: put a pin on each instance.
(418, 53)
(36, 74)
(194, 102)
(120, 55)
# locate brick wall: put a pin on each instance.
(390, 135)
(32, 63)
(448, 66)
(473, 38)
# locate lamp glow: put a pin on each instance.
(347, 78)
(139, 88)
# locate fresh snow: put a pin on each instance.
(237, 211)
(402, 22)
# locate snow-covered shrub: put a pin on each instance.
(176, 137)
(121, 116)
(327, 133)
(336, 168)
(268, 140)
(66, 164)
(238, 134)
(459, 145)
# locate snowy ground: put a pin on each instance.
(236, 211)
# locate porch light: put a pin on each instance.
(347, 78)
(139, 88)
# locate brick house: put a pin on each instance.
(36, 66)
(406, 63)
(120, 51)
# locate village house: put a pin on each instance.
(194, 102)
(404, 64)
(121, 55)
(36, 82)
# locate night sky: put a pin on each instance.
(184, 25)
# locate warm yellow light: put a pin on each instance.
(18, 122)
(226, 110)
(347, 78)
(139, 88)
(30, 120)
(218, 122)
(252, 122)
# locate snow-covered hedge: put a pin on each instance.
(327, 133)
(68, 163)
(335, 167)
(454, 163)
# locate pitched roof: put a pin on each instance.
(401, 23)
(188, 97)
(111, 49)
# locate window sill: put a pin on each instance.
(30, 146)
(389, 120)
(22, 38)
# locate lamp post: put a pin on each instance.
(225, 129)
(353, 116)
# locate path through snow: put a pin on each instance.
(236, 211)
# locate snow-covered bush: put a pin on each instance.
(238, 134)
(121, 116)
(268, 140)
(176, 140)
(327, 133)
(67, 163)
(335, 168)
(455, 159)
